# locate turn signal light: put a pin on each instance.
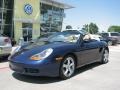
(35, 58)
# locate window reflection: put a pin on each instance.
(6, 13)
(51, 18)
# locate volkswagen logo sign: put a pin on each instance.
(28, 9)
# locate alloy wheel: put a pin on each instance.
(68, 67)
(105, 56)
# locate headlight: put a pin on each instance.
(14, 50)
(44, 54)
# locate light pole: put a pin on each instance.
(88, 28)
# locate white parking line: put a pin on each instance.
(115, 50)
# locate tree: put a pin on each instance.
(68, 27)
(85, 27)
(91, 28)
(114, 29)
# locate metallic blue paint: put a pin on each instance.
(47, 67)
(21, 62)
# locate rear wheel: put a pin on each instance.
(67, 67)
(105, 57)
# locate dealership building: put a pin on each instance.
(28, 19)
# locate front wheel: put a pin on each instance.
(67, 67)
(105, 57)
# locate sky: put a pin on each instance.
(104, 13)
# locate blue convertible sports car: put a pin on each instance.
(58, 55)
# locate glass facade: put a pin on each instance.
(51, 18)
(1, 15)
(6, 14)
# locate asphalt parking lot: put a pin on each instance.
(91, 77)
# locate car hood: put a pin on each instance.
(45, 45)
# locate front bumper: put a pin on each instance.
(48, 69)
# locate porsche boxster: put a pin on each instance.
(58, 55)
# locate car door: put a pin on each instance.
(88, 51)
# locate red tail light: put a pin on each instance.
(7, 40)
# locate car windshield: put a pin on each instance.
(67, 37)
(115, 34)
(70, 37)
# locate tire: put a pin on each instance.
(67, 67)
(105, 57)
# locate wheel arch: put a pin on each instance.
(75, 57)
(106, 48)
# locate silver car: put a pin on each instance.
(115, 35)
(5, 45)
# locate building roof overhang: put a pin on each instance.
(57, 4)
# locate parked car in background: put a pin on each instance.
(60, 55)
(111, 38)
(5, 45)
(115, 35)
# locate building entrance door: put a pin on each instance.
(27, 31)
